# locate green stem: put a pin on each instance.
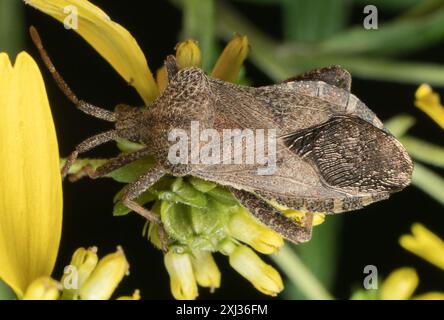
(11, 27)
(429, 182)
(6, 292)
(424, 151)
(280, 61)
(299, 275)
(198, 23)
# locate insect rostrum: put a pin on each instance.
(332, 153)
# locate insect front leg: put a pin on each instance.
(87, 145)
(110, 166)
(144, 182)
(274, 219)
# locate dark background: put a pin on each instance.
(369, 236)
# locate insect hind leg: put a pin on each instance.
(274, 219)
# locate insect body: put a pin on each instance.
(332, 152)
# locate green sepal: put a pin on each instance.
(183, 192)
(177, 221)
(222, 195)
(153, 234)
(127, 146)
(120, 209)
(132, 171)
(201, 185)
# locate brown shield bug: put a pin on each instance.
(332, 153)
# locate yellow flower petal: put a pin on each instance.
(135, 296)
(424, 244)
(182, 281)
(111, 40)
(318, 217)
(298, 216)
(244, 227)
(399, 285)
(230, 61)
(162, 78)
(43, 288)
(30, 182)
(188, 54)
(433, 295)
(263, 276)
(429, 102)
(105, 278)
(205, 270)
(82, 264)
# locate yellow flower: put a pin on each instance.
(111, 40)
(31, 197)
(428, 101)
(135, 296)
(162, 78)
(182, 280)
(424, 244)
(105, 277)
(433, 295)
(82, 265)
(89, 278)
(230, 61)
(31, 201)
(298, 216)
(244, 227)
(402, 283)
(263, 276)
(205, 270)
(43, 288)
(399, 285)
(188, 54)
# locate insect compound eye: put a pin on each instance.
(352, 154)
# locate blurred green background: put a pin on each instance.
(287, 37)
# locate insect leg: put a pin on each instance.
(333, 75)
(86, 145)
(274, 219)
(82, 105)
(108, 167)
(144, 182)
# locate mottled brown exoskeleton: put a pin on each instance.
(333, 153)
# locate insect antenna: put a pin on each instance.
(80, 104)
